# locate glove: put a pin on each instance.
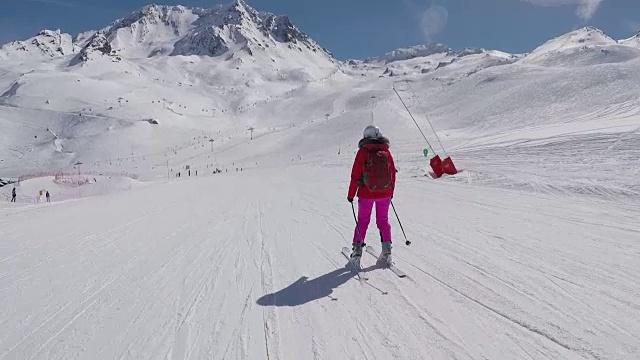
(350, 200)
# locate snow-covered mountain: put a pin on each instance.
(429, 58)
(176, 30)
(46, 44)
(235, 32)
(229, 46)
(225, 69)
(411, 53)
(586, 46)
(422, 51)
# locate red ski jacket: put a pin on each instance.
(357, 186)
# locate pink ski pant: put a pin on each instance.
(365, 208)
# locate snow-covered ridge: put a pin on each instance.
(47, 43)
(585, 39)
(633, 41)
(411, 53)
(585, 46)
(178, 30)
(423, 50)
(579, 38)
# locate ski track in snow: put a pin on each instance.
(510, 261)
(199, 278)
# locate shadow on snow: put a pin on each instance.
(304, 290)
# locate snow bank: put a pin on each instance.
(67, 187)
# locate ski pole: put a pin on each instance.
(407, 242)
(353, 209)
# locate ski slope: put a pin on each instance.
(247, 266)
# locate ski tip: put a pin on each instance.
(400, 274)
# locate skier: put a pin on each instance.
(13, 195)
(373, 178)
(48, 196)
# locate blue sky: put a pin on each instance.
(363, 28)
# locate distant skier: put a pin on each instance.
(13, 195)
(373, 178)
(48, 196)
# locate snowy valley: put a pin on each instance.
(198, 162)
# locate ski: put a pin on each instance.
(391, 267)
(347, 254)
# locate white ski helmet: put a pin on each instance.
(372, 132)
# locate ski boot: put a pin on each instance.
(385, 256)
(357, 254)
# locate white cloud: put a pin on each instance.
(434, 20)
(431, 18)
(586, 8)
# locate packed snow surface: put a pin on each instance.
(247, 266)
(198, 182)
